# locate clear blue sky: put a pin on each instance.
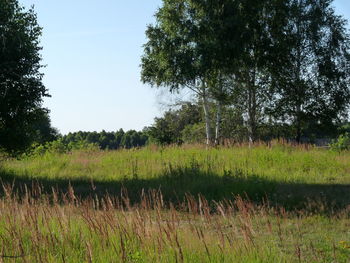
(92, 49)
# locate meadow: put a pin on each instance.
(276, 203)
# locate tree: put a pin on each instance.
(190, 46)
(248, 75)
(21, 87)
(41, 129)
(169, 128)
(312, 81)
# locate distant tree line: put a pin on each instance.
(182, 124)
(108, 140)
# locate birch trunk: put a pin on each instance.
(252, 110)
(298, 88)
(218, 123)
(207, 118)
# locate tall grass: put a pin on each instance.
(37, 228)
(281, 172)
(280, 163)
(177, 204)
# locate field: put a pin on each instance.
(178, 204)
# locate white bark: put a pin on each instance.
(218, 123)
(252, 109)
(207, 117)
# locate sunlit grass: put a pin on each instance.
(279, 163)
(108, 229)
(177, 204)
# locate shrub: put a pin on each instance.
(194, 133)
(342, 143)
(60, 147)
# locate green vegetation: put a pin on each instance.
(284, 173)
(342, 143)
(272, 62)
(22, 118)
(256, 71)
(44, 231)
(275, 203)
(107, 140)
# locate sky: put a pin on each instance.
(92, 51)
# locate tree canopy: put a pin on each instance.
(21, 87)
(312, 83)
(285, 62)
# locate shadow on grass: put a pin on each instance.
(176, 183)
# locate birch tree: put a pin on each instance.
(312, 81)
(190, 43)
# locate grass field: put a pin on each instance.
(177, 204)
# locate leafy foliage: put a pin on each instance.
(59, 147)
(21, 87)
(342, 143)
(169, 128)
(108, 140)
(312, 78)
(280, 63)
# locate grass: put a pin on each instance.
(177, 204)
(284, 174)
(280, 163)
(108, 229)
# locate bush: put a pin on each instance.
(60, 147)
(194, 133)
(3, 155)
(342, 143)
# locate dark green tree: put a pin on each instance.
(21, 87)
(249, 74)
(168, 129)
(311, 83)
(41, 130)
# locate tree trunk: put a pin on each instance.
(207, 117)
(298, 81)
(298, 124)
(218, 123)
(252, 108)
